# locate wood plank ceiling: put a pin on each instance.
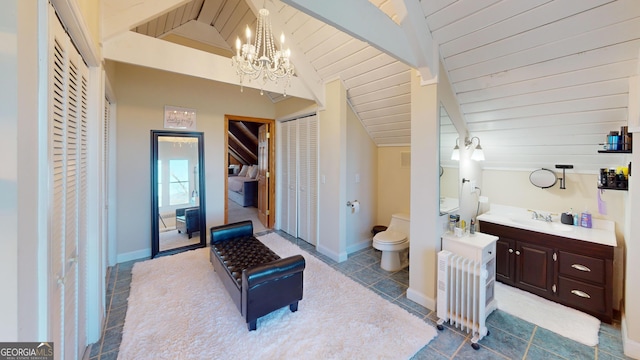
(540, 82)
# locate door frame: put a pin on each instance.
(271, 168)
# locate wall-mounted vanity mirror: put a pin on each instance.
(177, 192)
(448, 168)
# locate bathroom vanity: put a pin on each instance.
(567, 264)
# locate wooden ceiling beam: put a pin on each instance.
(210, 9)
(120, 16)
(138, 49)
(363, 20)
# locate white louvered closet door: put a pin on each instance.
(292, 180)
(312, 185)
(68, 88)
(299, 174)
(303, 180)
(307, 178)
(283, 189)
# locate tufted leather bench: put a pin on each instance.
(256, 278)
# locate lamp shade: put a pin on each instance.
(455, 154)
(478, 154)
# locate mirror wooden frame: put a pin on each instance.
(155, 214)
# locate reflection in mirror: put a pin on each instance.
(448, 168)
(543, 178)
(177, 182)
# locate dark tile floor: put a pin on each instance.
(510, 337)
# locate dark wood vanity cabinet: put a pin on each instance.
(525, 265)
(572, 272)
(505, 261)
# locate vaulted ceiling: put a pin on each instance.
(243, 141)
(540, 82)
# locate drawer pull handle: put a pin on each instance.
(582, 294)
(581, 267)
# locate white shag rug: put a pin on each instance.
(560, 319)
(179, 309)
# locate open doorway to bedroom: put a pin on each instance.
(249, 165)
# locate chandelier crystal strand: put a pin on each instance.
(262, 60)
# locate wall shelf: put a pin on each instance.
(614, 151)
(613, 188)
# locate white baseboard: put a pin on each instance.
(134, 255)
(331, 254)
(421, 299)
(358, 246)
(631, 347)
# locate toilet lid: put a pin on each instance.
(390, 237)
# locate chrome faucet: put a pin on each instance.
(537, 216)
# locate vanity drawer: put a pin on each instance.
(581, 267)
(582, 295)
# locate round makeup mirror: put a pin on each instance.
(543, 178)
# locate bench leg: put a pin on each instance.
(252, 325)
(293, 307)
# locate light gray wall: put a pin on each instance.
(142, 94)
(362, 168)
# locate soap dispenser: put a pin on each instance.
(585, 219)
(567, 217)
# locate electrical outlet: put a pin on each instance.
(472, 185)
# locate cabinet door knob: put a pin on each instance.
(517, 252)
(582, 294)
(581, 267)
(510, 251)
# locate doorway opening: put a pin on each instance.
(249, 168)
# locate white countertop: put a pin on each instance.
(476, 240)
(602, 232)
(448, 205)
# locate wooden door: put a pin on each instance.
(263, 175)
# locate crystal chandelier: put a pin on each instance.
(261, 60)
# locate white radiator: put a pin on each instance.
(465, 293)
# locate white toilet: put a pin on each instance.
(394, 243)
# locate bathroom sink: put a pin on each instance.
(561, 227)
(542, 225)
(602, 231)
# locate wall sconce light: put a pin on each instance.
(455, 155)
(478, 153)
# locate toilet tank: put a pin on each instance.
(400, 222)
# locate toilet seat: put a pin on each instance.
(390, 237)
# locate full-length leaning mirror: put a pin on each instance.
(177, 192)
(448, 168)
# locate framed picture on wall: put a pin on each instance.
(179, 118)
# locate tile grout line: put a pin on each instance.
(530, 342)
(108, 307)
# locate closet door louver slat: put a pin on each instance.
(68, 133)
(299, 173)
